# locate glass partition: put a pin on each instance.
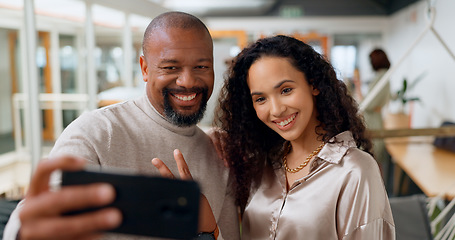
(68, 56)
(8, 87)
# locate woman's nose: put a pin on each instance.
(277, 108)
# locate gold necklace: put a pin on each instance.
(307, 160)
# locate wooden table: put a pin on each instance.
(431, 168)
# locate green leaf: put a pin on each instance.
(405, 85)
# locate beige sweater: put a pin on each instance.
(130, 134)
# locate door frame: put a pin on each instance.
(48, 119)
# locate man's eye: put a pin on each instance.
(202, 67)
(170, 68)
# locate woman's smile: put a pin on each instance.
(286, 123)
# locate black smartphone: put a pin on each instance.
(151, 206)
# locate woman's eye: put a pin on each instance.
(286, 90)
(259, 99)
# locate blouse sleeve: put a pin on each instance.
(229, 220)
(375, 230)
(363, 210)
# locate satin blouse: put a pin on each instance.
(342, 197)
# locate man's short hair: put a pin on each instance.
(172, 20)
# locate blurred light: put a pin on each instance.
(67, 50)
(234, 50)
(116, 52)
(108, 16)
(98, 53)
(41, 57)
(68, 58)
(70, 9)
(15, 4)
(291, 11)
(344, 59)
(210, 6)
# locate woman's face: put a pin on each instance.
(282, 97)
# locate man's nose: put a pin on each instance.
(186, 79)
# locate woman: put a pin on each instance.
(298, 148)
(373, 111)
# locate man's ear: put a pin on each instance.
(144, 68)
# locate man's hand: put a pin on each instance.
(207, 222)
(42, 214)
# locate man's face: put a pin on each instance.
(178, 69)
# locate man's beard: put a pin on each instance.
(182, 120)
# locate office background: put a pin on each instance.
(70, 83)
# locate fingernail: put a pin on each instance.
(113, 217)
(79, 161)
(106, 192)
(155, 162)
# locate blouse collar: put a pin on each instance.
(331, 153)
(337, 147)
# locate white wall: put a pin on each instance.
(221, 53)
(436, 90)
(6, 125)
(274, 25)
(399, 32)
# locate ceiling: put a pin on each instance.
(286, 8)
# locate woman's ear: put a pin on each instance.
(315, 91)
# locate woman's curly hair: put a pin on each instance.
(250, 145)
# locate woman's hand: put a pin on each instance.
(207, 222)
(217, 137)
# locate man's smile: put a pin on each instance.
(183, 97)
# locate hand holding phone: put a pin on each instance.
(151, 206)
(41, 212)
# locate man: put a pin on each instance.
(177, 66)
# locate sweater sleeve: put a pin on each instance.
(13, 225)
(77, 140)
(86, 137)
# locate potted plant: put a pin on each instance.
(402, 94)
(402, 118)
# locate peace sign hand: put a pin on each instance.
(207, 222)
